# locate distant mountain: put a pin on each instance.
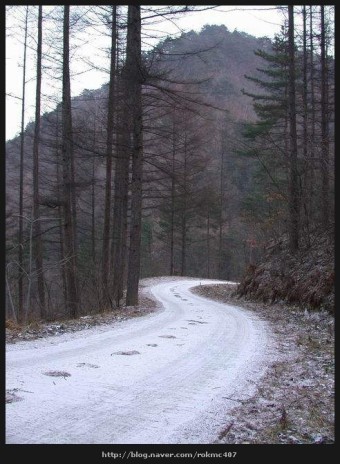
(222, 57)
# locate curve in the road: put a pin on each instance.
(168, 377)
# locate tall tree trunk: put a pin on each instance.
(109, 146)
(93, 198)
(306, 157)
(184, 244)
(312, 81)
(220, 238)
(324, 124)
(134, 66)
(21, 182)
(60, 211)
(184, 213)
(208, 244)
(172, 219)
(312, 110)
(37, 241)
(72, 302)
(294, 177)
(121, 185)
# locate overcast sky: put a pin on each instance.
(255, 20)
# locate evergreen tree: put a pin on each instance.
(267, 142)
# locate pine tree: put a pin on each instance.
(267, 140)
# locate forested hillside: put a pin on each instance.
(203, 127)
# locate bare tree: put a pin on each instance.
(121, 188)
(135, 77)
(37, 243)
(172, 206)
(21, 178)
(294, 175)
(109, 146)
(221, 205)
(72, 302)
(324, 122)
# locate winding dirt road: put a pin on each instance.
(168, 377)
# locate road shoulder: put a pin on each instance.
(294, 401)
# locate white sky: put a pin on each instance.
(255, 20)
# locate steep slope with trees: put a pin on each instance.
(293, 141)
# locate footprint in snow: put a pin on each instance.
(94, 366)
(167, 336)
(192, 321)
(11, 397)
(57, 374)
(126, 353)
(151, 344)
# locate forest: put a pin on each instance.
(210, 154)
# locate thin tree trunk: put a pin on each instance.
(93, 199)
(304, 72)
(208, 243)
(21, 181)
(124, 232)
(134, 65)
(72, 302)
(121, 182)
(121, 186)
(184, 244)
(37, 241)
(307, 188)
(294, 178)
(324, 124)
(220, 238)
(74, 204)
(312, 110)
(60, 211)
(312, 82)
(173, 186)
(184, 214)
(109, 146)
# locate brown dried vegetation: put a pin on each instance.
(305, 279)
(294, 400)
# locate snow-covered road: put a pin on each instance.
(183, 368)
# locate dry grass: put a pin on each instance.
(294, 403)
(39, 329)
